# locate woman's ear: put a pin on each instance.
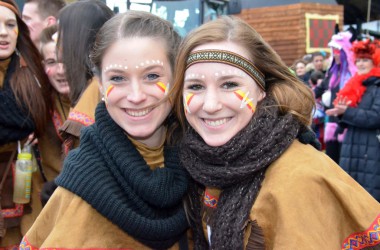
(262, 95)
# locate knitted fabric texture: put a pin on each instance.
(15, 121)
(108, 172)
(238, 168)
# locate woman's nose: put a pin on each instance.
(211, 102)
(136, 93)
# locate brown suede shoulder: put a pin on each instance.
(308, 202)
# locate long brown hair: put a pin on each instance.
(78, 24)
(291, 95)
(29, 82)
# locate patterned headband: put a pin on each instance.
(9, 6)
(230, 58)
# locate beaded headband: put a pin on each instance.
(9, 6)
(230, 58)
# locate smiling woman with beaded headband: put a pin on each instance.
(255, 186)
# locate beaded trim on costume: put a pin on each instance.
(227, 57)
(81, 118)
(25, 245)
(17, 211)
(210, 200)
(57, 120)
(368, 238)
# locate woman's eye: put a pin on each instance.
(50, 62)
(229, 85)
(195, 87)
(11, 25)
(152, 77)
(117, 78)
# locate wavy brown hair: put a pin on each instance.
(29, 82)
(291, 95)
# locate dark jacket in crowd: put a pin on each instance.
(360, 153)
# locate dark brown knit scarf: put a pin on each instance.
(238, 168)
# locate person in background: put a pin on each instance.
(21, 77)
(318, 123)
(254, 185)
(124, 185)
(50, 144)
(357, 106)
(300, 69)
(341, 70)
(317, 60)
(39, 14)
(84, 18)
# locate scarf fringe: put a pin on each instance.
(256, 240)
(70, 128)
(208, 214)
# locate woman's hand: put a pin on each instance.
(342, 104)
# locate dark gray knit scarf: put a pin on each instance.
(238, 168)
(109, 173)
(15, 122)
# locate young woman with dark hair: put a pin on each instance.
(78, 24)
(123, 187)
(24, 107)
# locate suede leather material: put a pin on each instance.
(308, 202)
(83, 114)
(69, 222)
(51, 152)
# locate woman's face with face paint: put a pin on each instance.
(219, 99)
(54, 69)
(136, 74)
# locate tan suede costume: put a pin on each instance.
(308, 202)
(69, 222)
(82, 115)
(51, 153)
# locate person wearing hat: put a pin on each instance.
(358, 108)
(341, 70)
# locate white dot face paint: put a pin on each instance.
(145, 63)
(193, 76)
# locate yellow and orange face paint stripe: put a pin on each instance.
(243, 96)
(163, 87)
(108, 92)
(187, 101)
